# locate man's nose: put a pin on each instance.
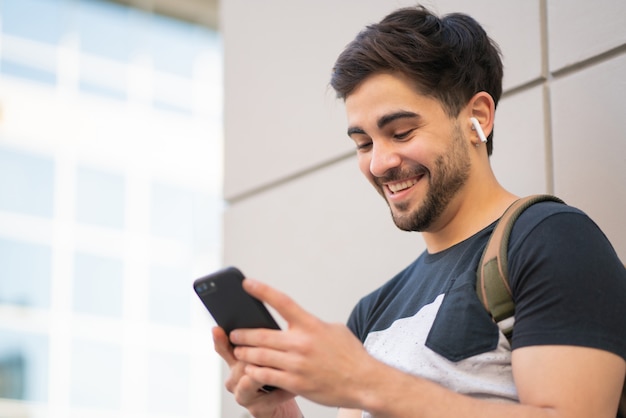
(384, 158)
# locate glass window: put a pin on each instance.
(25, 273)
(175, 48)
(100, 198)
(26, 183)
(103, 89)
(104, 29)
(172, 212)
(168, 384)
(96, 374)
(166, 104)
(175, 45)
(87, 50)
(16, 69)
(207, 222)
(98, 285)
(23, 366)
(170, 295)
(44, 17)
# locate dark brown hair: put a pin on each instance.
(450, 58)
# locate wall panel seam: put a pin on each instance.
(234, 199)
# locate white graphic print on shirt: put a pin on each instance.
(402, 346)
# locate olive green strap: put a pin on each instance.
(492, 284)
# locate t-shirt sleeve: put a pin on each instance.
(568, 284)
(357, 319)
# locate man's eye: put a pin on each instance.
(403, 135)
(363, 146)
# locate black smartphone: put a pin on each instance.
(231, 307)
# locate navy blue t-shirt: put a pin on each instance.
(568, 285)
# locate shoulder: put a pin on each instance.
(567, 281)
(557, 213)
(561, 237)
(558, 228)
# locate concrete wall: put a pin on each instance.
(300, 215)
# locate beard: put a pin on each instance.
(448, 175)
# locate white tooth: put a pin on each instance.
(401, 186)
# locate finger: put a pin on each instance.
(237, 372)
(284, 305)
(269, 376)
(250, 391)
(222, 346)
(263, 357)
(258, 337)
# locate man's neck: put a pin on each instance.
(465, 217)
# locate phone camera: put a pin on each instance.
(206, 287)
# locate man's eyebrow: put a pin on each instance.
(403, 114)
(355, 130)
(385, 120)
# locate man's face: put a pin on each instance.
(413, 153)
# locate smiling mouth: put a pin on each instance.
(401, 185)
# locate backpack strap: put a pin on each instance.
(492, 284)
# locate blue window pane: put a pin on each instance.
(172, 107)
(25, 71)
(175, 45)
(100, 198)
(26, 183)
(140, 32)
(96, 375)
(23, 366)
(102, 90)
(25, 272)
(39, 20)
(172, 212)
(207, 226)
(104, 29)
(168, 384)
(98, 285)
(170, 295)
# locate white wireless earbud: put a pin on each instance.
(479, 130)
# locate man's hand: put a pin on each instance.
(248, 393)
(312, 358)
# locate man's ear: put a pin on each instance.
(482, 107)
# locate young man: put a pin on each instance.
(420, 95)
